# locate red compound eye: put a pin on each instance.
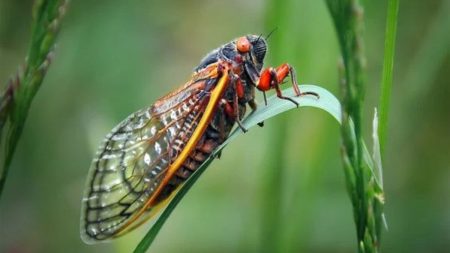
(243, 45)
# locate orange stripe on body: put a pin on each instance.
(216, 95)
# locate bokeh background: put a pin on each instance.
(114, 57)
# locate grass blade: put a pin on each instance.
(327, 102)
(388, 66)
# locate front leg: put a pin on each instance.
(271, 78)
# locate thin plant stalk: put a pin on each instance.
(16, 100)
(364, 188)
(388, 67)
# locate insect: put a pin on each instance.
(150, 154)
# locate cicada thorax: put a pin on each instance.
(215, 134)
(204, 80)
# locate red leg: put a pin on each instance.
(283, 71)
(272, 78)
(239, 94)
(231, 108)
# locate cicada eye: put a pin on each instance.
(259, 48)
(243, 45)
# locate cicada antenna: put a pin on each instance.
(259, 37)
(271, 32)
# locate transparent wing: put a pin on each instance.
(132, 161)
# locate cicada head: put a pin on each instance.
(252, 49)
(247, 50)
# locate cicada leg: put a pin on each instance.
(225, 109)
(254, 106)
(252, 103)
(238, 94)
(238, 117)
(231, 108)
(283, 71)
(271, 78)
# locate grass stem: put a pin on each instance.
(365, 192)
(16, 99)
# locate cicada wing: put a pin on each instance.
(131, 163)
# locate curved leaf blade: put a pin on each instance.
(327, 102)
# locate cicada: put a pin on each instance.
(148, 156)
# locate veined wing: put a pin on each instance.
(133, 160)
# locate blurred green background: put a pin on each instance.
(115, 57)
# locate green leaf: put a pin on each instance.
(275, 106)
(388, 68)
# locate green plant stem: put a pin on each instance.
(17, 98)
(364, 190)
(347, 17)
(388, 66)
